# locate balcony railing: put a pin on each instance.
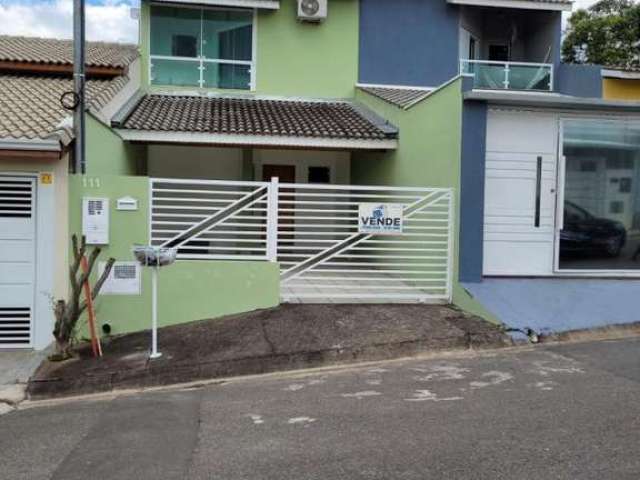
(493, 75)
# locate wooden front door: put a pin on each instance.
(286, 173)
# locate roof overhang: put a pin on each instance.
(35, 149)
(621, 74)
(254, 141)
(41, 144)
(58, 69)
(264, 4)
(551, 100)
(524, 4)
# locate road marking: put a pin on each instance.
(428, 395)
(543, 369)
(442, 372)
(360, 395)
(296, 420)
(377, 370)
(294, 387)
(546, 386)
(494, 377)
(256, 419)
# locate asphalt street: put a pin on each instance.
(568, 411)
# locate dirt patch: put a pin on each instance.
(283, 338)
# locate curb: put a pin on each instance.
(158, 375)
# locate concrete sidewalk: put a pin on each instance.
(287, 337)
(16, 367)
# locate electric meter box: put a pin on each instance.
(95, 220)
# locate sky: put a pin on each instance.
(107, 20)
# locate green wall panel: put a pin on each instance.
(188, 290)
(107, 154)
(428, 155)
(306, 59)
(293, 58)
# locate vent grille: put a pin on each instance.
(16, 198)
(15, 326)
(124, 272)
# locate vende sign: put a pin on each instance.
(380, 218)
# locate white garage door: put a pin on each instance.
(17, 261)
(520, 183)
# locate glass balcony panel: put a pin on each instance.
(175, 72)
(489, 75)
(507, 75)
(525, 77)
(226, 75)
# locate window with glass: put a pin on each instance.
(601, 218)
(209, 48)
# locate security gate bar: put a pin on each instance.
(311, 230)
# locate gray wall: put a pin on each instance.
(408, 42)
(474, 134)
(579, 80)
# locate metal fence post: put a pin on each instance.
(506, 76)
(272, 220)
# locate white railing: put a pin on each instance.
(323, 255)
(494, 75)
(209, 219)
(312, 231)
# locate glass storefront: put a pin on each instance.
(601, 218)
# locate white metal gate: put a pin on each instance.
(17, 261)
(312, 231)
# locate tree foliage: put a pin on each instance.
(607, 33)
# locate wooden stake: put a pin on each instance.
(95, 341)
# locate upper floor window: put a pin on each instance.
(201, 47)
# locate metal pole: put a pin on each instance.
(78, 85)
(154, 312)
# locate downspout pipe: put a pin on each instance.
(79, 85)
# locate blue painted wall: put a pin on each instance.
(408, 42)
(474, 134)
(579, 80)
(559, 304)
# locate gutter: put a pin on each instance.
(41, 144)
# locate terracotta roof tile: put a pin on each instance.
(30, 104)
(404, 97)
(246, 116)
(60, 52)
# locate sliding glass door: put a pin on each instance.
(600, 196)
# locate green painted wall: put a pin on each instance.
(428, 156)
(188, 290)
(294, 58)
(107, 154)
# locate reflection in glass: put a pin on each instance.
(224, 75)
(601, 195)
(175, 72)
(227, 34)
(219, 41)
(175, 31)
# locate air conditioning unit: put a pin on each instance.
(312, 10)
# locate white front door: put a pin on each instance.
(520, 193)
(17, 261)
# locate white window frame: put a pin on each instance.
(201, 59)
